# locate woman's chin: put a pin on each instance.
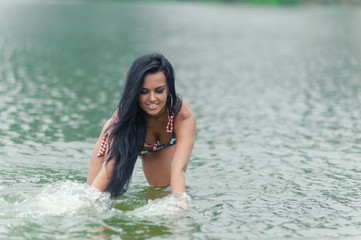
(154, 112)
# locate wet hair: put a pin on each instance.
(128, 132)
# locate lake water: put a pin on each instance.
(277, 96)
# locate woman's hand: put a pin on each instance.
(182, 200)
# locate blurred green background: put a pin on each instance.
(275, 87)
(281, 2)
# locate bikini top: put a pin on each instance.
(156, 146)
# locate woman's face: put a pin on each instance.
(153, 96)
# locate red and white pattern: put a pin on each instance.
(103, 146)
(155, 146)
(170, 122)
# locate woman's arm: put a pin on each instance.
(102, 180)
(185, 129)
(99, 173)
(96, 162)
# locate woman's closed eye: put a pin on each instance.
(160, 91)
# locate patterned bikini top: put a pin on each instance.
(155, 146)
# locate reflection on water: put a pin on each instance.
(276, 92)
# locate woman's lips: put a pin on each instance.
(152, 106)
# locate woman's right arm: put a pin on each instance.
(96, 163)
(102, 179)
(100, 172)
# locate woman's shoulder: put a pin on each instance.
(185, 122)
(106, 126)
(114, 116)
(185, 112)
(111, 121)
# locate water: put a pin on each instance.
(276, 92)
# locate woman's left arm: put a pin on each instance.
(185, 130)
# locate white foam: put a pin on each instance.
(64, 198)
(72, 198)
(163, 206)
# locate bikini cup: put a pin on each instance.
(169, 129)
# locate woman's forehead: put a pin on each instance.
(154, 80)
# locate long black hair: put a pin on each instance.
(128, 132)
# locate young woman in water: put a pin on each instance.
(151, 121)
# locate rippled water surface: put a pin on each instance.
(277, 96)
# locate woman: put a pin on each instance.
(151, 121)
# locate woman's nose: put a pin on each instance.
(152, 96)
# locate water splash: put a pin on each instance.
(163, 206)
(61, 198)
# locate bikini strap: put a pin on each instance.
(170, 122)
(103, 146)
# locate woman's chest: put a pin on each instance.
(157, 133)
